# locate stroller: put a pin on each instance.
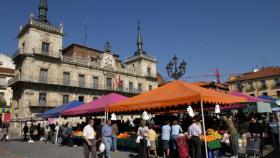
(253, 147)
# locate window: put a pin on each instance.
(44, 75)
(264, 94)
(120, 86)
(2, 97)
(150, 87)
(23, 47)
(94, 98)
(149, 71)
(252, 95)
(1, 63)
(42, 99)
(95, 82)
(278, 94)
(130, 88)
(45, 48)
(239, 86)
(277, 82)
(139, 87)
(250, 86)
(263, 83)
(81, 98)
(109, 83)
(66, 78)
(65, 99)
(2, 81)
(81, 80)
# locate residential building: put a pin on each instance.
(48, 75)
(264, 81)
(221, 87)
(7, 71)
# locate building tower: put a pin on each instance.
(141, 62)
(39, 45)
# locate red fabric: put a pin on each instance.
(6, 117)
(98, 105)
(183, 148)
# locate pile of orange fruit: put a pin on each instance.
(209, 138)
(123, 135)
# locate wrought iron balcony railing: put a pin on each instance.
(71, 83)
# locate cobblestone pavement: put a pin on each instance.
(15, 149)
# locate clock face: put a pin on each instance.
(108, 61)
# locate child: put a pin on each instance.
(152, 138)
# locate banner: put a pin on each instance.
(3, 110)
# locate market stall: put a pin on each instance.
(56, 112)
(175, 94)
(97, 106)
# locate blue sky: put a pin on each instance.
(232, 35)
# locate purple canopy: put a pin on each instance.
(249, 98)
(96, 106)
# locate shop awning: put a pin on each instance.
(56, 112)
(268, 98)
(174, 93)
(96, 106)
(249, 98)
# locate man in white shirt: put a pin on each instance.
(90, 143)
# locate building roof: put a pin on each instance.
(205, 84)
(261, 73)
(85, 47)
(160, 79)
(4, 70)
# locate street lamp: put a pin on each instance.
(178, 71)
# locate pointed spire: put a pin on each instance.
(43, 8)
(107, 47)
(139, 37)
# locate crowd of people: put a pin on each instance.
(263, 126)
(158, 135)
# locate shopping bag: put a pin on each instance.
(102, 148)
(138, 139)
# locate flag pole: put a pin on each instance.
(204, 131)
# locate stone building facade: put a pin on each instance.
(264, 81)
(47, 75)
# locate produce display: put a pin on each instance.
(124, 135)
(78, 133)
(211, 135)
(209, 138)
(214, 133)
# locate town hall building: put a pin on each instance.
(48, 75)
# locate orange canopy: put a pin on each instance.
(173, 94)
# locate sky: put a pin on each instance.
(235, 36)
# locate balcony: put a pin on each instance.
(262, 87)
(275, 85)
(143, 56)
(68, 83)
(36, 51)
(3, 85)
(249, 89)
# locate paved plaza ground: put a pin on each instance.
(15, 149)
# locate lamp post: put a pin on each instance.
(178, 72)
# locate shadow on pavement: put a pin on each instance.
(133, 156)
(273, 155)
